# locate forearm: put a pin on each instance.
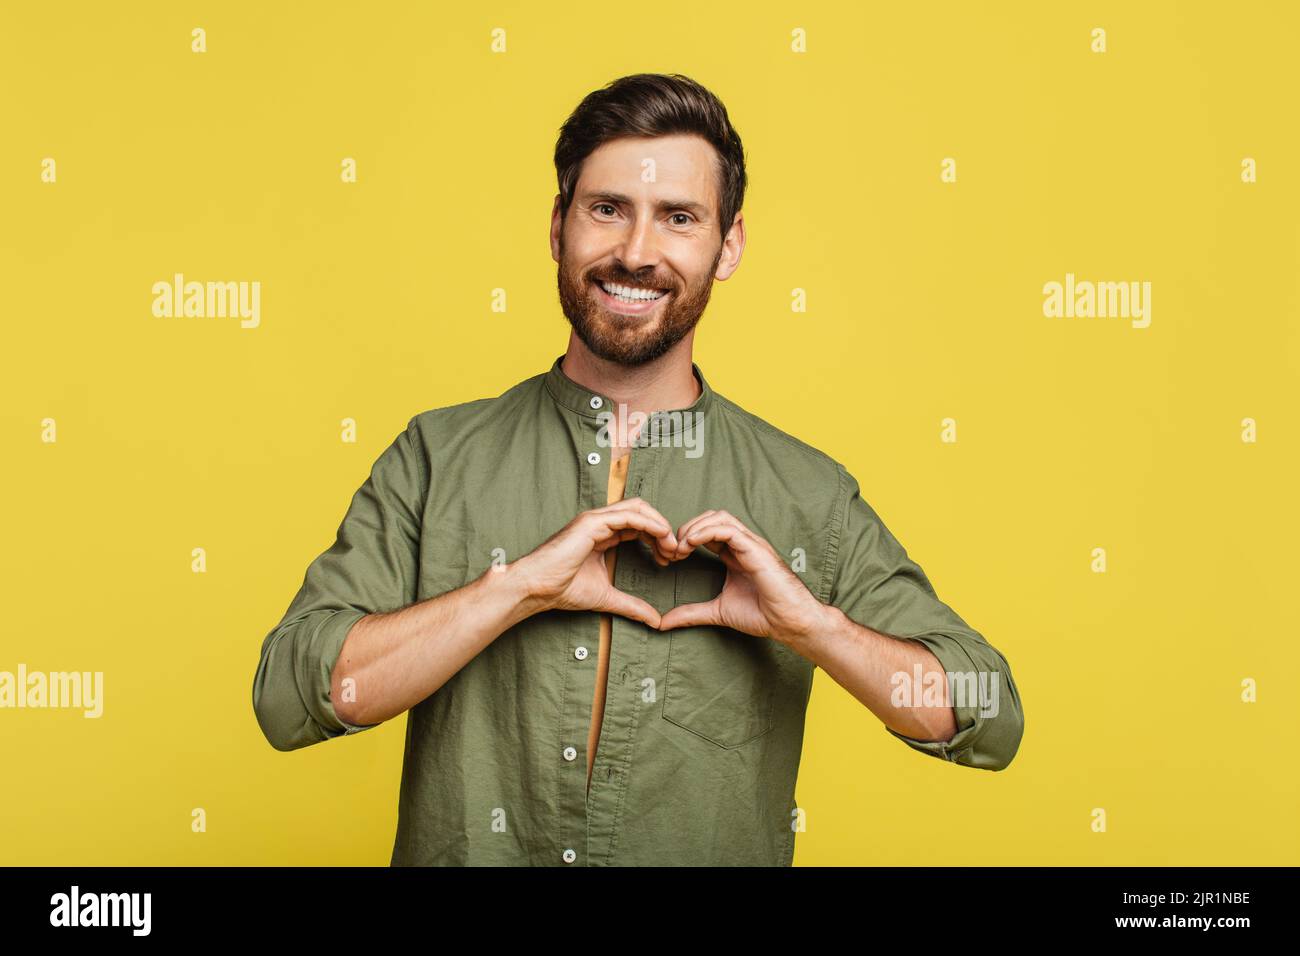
(864, 662)
(397, 659)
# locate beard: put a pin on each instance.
(630, 340)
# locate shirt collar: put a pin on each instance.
(569, 394)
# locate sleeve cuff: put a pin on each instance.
(328, 643)
(954, 659)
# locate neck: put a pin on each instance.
(664, 384)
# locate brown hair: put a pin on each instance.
(652, 104)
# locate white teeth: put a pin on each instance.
(628, 294)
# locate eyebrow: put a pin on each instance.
(698, 210)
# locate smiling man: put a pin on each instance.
(605, 644)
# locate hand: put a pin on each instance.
(761, 595)
(567, 571)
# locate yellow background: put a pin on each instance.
(924, 302)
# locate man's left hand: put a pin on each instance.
(761, 595)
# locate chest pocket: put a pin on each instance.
(720, 682)
(443, 560)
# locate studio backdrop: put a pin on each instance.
(1029, 271)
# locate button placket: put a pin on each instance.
(624, 706)
(593, 485)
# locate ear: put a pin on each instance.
(557, 227)
(733, 245)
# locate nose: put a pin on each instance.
(639, 248)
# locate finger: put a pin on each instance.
(605, 524)
(667, 546)
(711, 531)
(625, 605)
(617, 538)
(629, 534)
(633, 504)
(642, 528)
(642, 507)
(690, 615)
(686, 528)
(661, 543)
(664, 549)
(735, 538)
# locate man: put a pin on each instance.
(601, 596)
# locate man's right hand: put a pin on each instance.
(398, 658)
(567, 571)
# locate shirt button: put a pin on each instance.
(596, 401)
(593, 458)
(569, 856)
(570, 753)
(580, 653)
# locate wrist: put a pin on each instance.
(822, 625)
(517, 589)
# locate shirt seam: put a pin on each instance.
(831, 557)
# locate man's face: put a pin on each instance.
(637, 258)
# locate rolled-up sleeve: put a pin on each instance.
(372, 566)
(878, 586)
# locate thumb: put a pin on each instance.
(690, 615)
(625, 605)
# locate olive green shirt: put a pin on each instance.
(700, 741)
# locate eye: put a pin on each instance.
(686, 216)
(605, 205)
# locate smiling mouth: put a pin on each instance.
(631, 295)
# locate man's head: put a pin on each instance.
(651, 178)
